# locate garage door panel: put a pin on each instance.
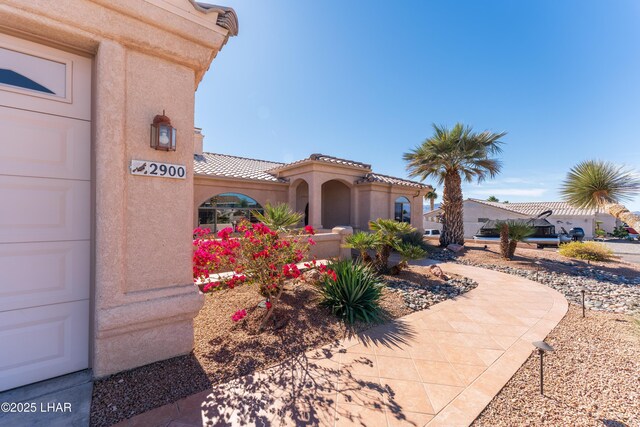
(43, 342)
(39, 78)
(36, 274)
(42, 145)
(39, 209)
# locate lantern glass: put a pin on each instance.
(164, 137)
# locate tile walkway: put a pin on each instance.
(438, 367)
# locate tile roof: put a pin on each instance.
(535, 208)
(376, 177)
(224, 165)
(328, 159)
(234, 167)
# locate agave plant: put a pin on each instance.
(602, 185)
(450, 156)
(278, 217)
(362, 242)
(389, 232)
(355, 294)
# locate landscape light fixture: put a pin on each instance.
(542, 348)
(538, 267)
(582, 291)
(163, 135)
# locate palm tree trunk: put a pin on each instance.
(623, 214)
(432, 203)
(452, 224)
(504, 240)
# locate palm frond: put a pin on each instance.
(593, 183)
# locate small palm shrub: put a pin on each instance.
(389, 232)
(355, 294)
(278, 217)
(590, 251)
(407, 252)
(415, 238)
(362, 242)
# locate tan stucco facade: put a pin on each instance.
(335, 194)
(148, 56)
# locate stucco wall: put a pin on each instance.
(336, 204)
(261, 191)
(148, 56)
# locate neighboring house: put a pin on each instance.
(476, 212)
(329, 191)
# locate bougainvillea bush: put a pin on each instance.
(255, 255)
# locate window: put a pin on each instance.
(227, 210)
(402, 210)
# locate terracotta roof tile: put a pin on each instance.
(234, 167)
(328, 159)
(376, 177)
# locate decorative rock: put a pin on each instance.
(604, 291)
(455, 248)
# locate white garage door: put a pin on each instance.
(45, 205)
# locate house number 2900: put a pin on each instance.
(164, 170)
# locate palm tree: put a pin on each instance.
(431, 196)
(278, 217)
(449, 156)
(597, 184)
(493, 199)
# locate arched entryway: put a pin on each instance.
(302, 200)
(227, 210)
(402, 210)
(336, 204)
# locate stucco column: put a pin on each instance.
(417, 218)
(315, 202)
(109, 149)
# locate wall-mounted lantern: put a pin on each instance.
(163, 135)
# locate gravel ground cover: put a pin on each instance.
(613, 287)
(592, 378)
(225, 350)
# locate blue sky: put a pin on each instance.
(365, 80)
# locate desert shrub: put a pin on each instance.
(354, 294)
(590, 251)
(362, 242)
(407, 252)
(415, 238)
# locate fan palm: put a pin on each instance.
(362, 242)
(602, 185)
(389, 232)
(431, 196)
(449, 156)
(278, 217)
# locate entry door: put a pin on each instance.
(45, 206)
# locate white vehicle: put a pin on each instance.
(432, 232)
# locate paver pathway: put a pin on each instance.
(437, 367)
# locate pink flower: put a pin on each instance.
(309, 230)
(225, 233)
(311, 241)
(268, 305)
(239, 315)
